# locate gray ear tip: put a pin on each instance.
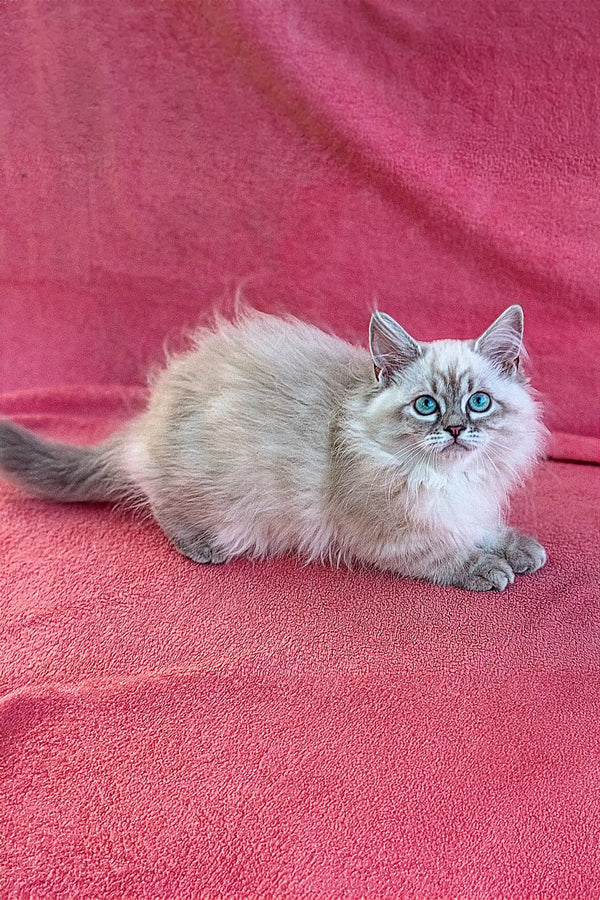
(377, 317)
(382, 323)
(516, 310)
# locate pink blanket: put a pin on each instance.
(170, 730)
(441, 160)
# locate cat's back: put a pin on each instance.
(260, 385)
(296, 353)
(278, 363)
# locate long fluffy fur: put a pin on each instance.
(271, 436)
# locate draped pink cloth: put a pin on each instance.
(170, 730)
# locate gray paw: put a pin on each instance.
(485, 572)
(199, 549)
(524, 553)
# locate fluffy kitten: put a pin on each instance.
(271, 436)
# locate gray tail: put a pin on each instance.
(62, 472)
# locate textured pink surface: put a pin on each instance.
(279, 730)
(169, 730)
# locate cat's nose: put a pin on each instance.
(455, 430)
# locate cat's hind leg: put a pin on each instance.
(199, 548)
(191, 541)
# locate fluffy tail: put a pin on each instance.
(62, 472)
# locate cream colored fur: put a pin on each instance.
(272, 437)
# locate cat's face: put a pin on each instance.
(451, 404)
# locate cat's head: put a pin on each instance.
(453, 405)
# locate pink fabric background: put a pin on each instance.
(269, 729)
(441, 158)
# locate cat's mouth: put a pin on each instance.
(457, 447)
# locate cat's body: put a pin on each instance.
(272, 437)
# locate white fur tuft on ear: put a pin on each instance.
(501, 343)
(392, 348)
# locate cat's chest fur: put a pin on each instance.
(412, 523)
(455, 502)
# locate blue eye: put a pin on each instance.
(479, 402)
(425, 406)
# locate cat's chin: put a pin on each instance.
(455, 452)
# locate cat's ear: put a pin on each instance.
(501, 343)
(392, 348)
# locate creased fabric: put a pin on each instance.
(438, 160)
(275, 729)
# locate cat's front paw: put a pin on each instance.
(485, 571)
(523, 553)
